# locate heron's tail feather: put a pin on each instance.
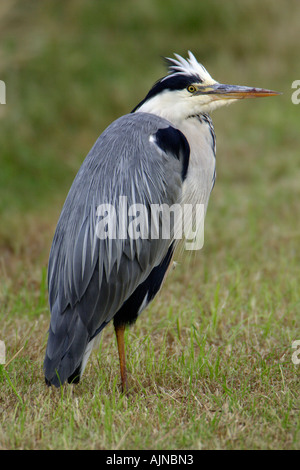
(67, 343)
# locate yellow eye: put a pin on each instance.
(191, 88)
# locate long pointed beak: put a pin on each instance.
(234, 92)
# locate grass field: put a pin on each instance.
(210, 361)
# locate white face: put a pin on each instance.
(177, 105)
(202, 96)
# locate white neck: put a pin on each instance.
(199, 181)
(164, 105)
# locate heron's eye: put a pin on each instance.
(191, 89)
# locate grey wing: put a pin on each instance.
(139, 159)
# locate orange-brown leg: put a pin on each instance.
(120, 329)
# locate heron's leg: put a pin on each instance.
(120, 329)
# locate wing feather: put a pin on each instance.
(90, 278)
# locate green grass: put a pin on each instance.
(209, 361)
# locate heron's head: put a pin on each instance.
(189, 90)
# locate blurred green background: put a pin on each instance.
(72, 67)
(222, 330)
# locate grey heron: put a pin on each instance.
(163, 152)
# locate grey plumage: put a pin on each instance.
(90, 279)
